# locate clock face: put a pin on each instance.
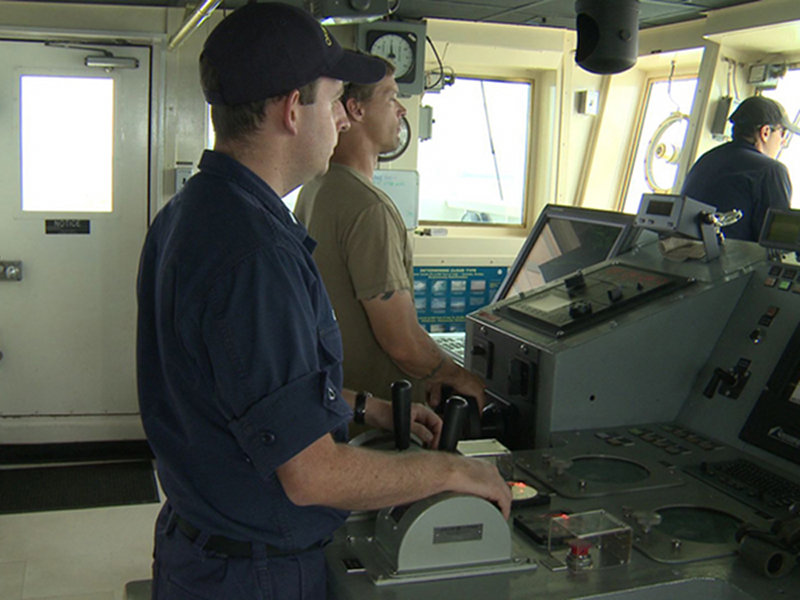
(403, 139)
(397, 49)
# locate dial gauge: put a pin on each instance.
(397, 49)
(403, 139)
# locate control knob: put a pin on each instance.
(580, 308)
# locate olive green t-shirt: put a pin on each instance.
(363, 251)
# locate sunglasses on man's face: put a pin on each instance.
(780, 129)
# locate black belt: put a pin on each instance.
(235, 548)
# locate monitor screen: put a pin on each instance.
(563, 240)
(774, 422)
(781, 230)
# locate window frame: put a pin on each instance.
(529, 163)
(33, 215)
(641, 113)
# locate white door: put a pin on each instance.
(73, 214)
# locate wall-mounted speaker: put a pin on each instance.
(608, 35)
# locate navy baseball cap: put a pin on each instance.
(757, 111)
(263, 50)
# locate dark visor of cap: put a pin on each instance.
(357, 67)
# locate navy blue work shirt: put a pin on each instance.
(737, 175)
(238, 356)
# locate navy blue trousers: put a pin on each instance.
(183, 570)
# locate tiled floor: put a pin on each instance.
(77, 554)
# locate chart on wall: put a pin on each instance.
(444, 295)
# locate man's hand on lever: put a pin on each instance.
(393, 320)
(459, 381)
(352, 478)
(484, 480)
(425, 424)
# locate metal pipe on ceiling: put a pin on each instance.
(192, 22)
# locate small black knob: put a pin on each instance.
(580, 308)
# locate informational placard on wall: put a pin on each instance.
(444, 295)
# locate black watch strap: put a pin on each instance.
(360, 410)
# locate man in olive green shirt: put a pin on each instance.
(365, 256)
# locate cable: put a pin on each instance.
(441, 67)
(728, 82)
(669, 86)
(491, 142)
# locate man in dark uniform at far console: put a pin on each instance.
(744, 173)
(365, 257)
(239, 353)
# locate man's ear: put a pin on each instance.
(290, 111)
(764, 132)
(354, 109)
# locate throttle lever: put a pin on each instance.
(401, 411)
(455, 414)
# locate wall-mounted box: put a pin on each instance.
(587, 102)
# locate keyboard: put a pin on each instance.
(750, 474)
(452, 343)
(750, 483)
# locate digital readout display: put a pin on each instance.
(660, 208)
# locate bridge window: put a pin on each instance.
(660, 139)
(788, 94)
(67, 143)
(473, 169)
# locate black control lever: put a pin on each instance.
(455, 415)
(718, 375)
(401, 411)
(444, 393)
(732, 380)
(473, 422)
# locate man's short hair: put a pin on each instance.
(746, 132)
(362, 92)
(240, 120)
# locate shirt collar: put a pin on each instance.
(222, 165)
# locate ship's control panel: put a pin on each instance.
(657, 444)
(580, 301)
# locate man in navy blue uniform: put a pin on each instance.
(239, 352)
(744, 173)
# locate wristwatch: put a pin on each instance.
(360, 411)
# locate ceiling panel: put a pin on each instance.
(553, 13)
